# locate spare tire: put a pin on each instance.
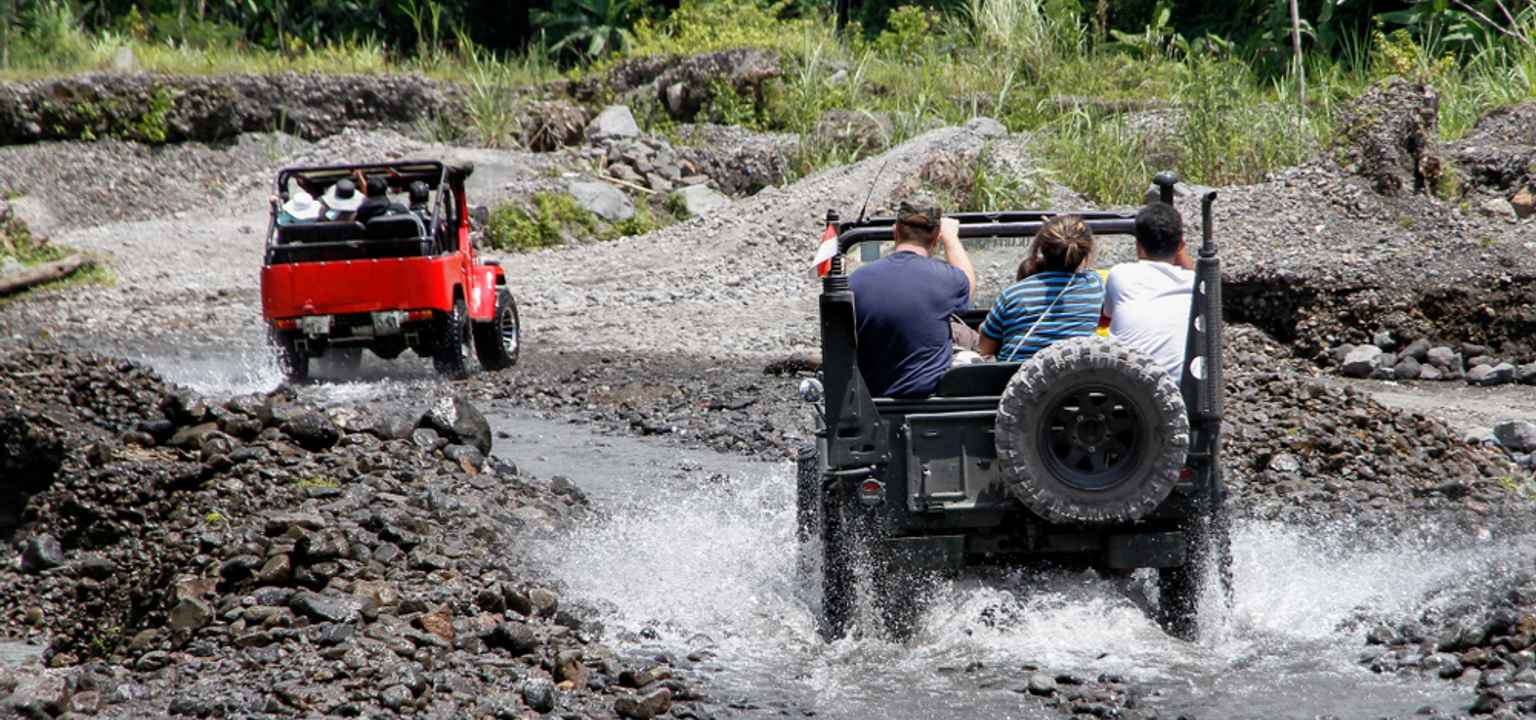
(1089, 430)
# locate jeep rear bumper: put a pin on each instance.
(1119, 551)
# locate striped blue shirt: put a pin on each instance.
(1021, 305)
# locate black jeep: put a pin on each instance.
(1086, 454)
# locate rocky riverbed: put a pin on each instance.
(186, 536)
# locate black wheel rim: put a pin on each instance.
(1090, 438)
(510, 339)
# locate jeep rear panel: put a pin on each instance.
(356, 286)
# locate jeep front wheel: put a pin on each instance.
(450, 353)
(1089, 430)
(498, 341)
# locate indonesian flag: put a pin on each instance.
(826, 251)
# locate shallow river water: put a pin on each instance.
(696, 551)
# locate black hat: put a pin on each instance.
(419, 192)
(377, 187)
(920, 213)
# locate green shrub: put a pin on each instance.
(1098, 157)
(544, 223)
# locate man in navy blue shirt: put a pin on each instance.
(903, 303)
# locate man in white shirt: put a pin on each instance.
(1146, 303)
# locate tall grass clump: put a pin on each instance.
(1100, 157)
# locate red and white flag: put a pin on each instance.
(826, 251)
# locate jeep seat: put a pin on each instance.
(976, 380)
(319, 232)
(393, 227)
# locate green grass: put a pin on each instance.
(551, 217)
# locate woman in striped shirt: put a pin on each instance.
(1058, 296)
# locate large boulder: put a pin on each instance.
(615, 121)
(688, 86)
(1516, 435)
(602, 200)
(1361, 361)
(455, 418)
(700, 200)
(1389, 137)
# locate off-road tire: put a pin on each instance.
(451, 339)
(1089, 430)
(839, 540)
(293, 364)
(807, 493)
(499, 340)
(1180, 590)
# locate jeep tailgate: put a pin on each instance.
(355, 286)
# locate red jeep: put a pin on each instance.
(407, 277)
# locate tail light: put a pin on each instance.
(286, 324)
(1187, 474)
(413, 315)
(871, 492)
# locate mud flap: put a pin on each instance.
(1145, 550)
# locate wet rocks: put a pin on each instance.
(1041, 684)
(539, 693)
(644, 706)
(190, 614)
(514, 637)
(456, 419)
(312, 430)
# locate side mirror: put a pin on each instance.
(811, 390)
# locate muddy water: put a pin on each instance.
(698, 552)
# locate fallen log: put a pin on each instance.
(46, 272)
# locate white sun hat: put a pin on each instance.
(343, 196)
(302, 206)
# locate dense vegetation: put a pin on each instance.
(1223, 77)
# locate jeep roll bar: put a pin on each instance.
(855, 434)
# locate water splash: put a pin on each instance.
(719, 558)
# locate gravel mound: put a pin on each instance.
(1303, 450)
(260, 556)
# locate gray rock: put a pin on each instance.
(1443, 357)
(1284, 462)
(602, 200)
(1042, 684)
(1361, 361)
(427, 439)
(615, 121)
(644, 707)
(42, 552)
(1430, 372)
(1384, 340)
(1418, 350)
(700, 200)
(1407, 368)
(1499, 207)
(312, 431)
(539, 693)
(39, 695)
(986, 127)
(459, 421)
(395, 697)
(514, 637)
(465, 453)
(1526, 374)
(1516, 435)
(543, 601)
(1500, 374)
(326, 608)
(190, 614)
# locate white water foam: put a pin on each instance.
(721, 559)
